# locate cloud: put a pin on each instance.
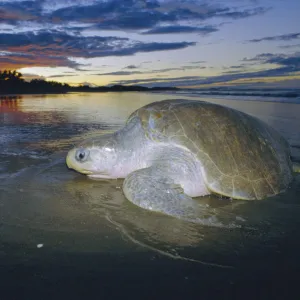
(131, 15)
(198, 62)
(291, 61)
(149, 47)
(282, 37)
(285, 60)
(11, 12)
(120, 73)
(259, 58)
(49, 6)
(109, 15)
(237, 67)
(164, 81)
(61, 75)
(126, 73)
(121, 15)
(12, 61)
(182, 68)
(29, 77)
(161, 81)
(131, 67)
(26, 36)
(181, 29)
(244, 13)
(48, 47)
(289, 46)
(287, 64)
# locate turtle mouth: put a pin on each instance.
(91, 174)
(81, 171)
(99, 176)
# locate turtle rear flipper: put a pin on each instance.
(150, 189)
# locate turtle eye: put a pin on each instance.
(81, 155)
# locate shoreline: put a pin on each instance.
(183, 92)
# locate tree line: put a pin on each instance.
(12, 82)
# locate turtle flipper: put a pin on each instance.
(150, 189)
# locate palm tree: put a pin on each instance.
(11, 75)
(3, 75)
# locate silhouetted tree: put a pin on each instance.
(11, 82)
(10, 75)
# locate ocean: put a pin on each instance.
(65, 236)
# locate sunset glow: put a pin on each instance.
(153, 43)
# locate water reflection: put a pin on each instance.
(10, 97)
(12, 112)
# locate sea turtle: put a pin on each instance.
(173, 150)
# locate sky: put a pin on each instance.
(183, 43)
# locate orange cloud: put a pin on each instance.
(14, 62)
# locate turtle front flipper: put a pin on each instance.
(150, 189)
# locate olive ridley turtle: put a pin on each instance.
(173, 150)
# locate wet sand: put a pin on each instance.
(64, 236)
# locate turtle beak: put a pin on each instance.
(70, 154)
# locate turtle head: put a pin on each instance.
(96, 157)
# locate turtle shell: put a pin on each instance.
(242, 157)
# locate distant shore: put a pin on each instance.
(121, 88)
(12, 83)
(67, 89)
